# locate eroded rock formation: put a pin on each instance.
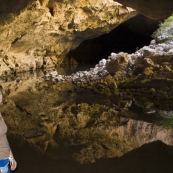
(98, 119)
(156, 9)
(122, 103)
(37, 34)
(127, 37)
(103, 116)
(133, 105)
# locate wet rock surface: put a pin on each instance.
(107, 112)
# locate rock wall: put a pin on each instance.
(36, 34)
(156, 9)
(102, 115)
(127, 37)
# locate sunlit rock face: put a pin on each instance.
(36, 34)
(156, 9)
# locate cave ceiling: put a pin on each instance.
(42, 32)
(156, 9)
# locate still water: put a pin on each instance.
(61, 128)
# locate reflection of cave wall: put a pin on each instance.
(127, 37)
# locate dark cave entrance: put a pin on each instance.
(127, 37)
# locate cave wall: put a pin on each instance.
(156, 9)
(36, 34)
(39, 33)
(108, 119)
(127, 37)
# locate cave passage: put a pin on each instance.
(127, 37)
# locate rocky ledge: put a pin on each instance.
(149, 59)
(146, 62)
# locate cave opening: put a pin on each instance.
(127, 37)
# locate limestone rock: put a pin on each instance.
(50, 29)
(148, 62)
(117, 63)
(4, 69)
(161, 9)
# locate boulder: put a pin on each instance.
(118, 63)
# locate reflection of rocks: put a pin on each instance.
(122, 139)
(103, 113)
(99, 130)
(139, 81)
(100, 116)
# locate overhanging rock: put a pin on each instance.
(39, 34)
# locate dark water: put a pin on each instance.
(152, 157)
(155, 157)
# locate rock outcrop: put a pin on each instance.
(156, 9)
(152, 58)
(36, 34)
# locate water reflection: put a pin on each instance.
(65, 121)
(41, 72)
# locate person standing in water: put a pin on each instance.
(7, 160)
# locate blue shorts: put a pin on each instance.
(4, 165)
